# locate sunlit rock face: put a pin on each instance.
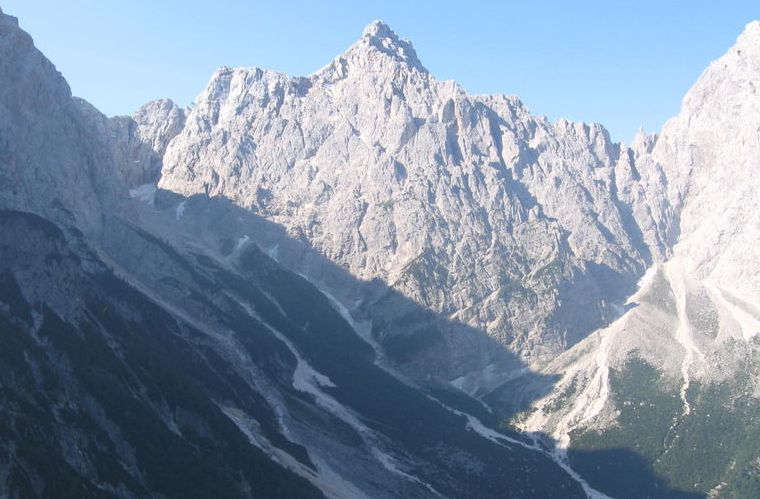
(452, 237)
(139, 141)
(710, 154)
(512, 225)
(684, 360)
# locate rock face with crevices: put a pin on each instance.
(435, 233)
(684, 360)
(137, 362)
(55, 160)
(139, 141)
(710, 155)
(469, 205)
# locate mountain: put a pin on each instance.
(138, 142)
(676, 376)
(467, 205)
(55, 158)
(139, 360)
(366, 282)
(633, 261)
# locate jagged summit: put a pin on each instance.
(455, 239)
(379, 39)
(379, 28)
(378, 50)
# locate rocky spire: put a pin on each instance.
(379, 37)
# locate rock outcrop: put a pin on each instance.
(139, 142)
(55, 160)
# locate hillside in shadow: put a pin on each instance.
(402, 333)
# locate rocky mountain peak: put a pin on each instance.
(379, 49)
(732, 75)
(378, 28)
(379, 37)
(394, 175)
(708, 150)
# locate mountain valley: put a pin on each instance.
(366, 282)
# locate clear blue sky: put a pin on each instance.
(623, 64)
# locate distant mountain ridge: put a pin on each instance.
(689, 341)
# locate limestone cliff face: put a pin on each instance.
(139, 141)
(710, 154)
(696, 316)
(54, 158)
(139, 361)
(469, 205)
(475, 229)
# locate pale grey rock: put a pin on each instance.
(150, 129)
(158, 122)
(711, 156)
(468, 205)
(85, 284)
(512, 231)
(54, 158)
(138, 142)
(696, 316)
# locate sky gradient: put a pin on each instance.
(622, 65)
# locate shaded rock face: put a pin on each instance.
(136, 333)
(158, 122)
(526, 230)
(61, 157)
(466, 204)
(139, 141)
(54, 159)
(237, 373)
